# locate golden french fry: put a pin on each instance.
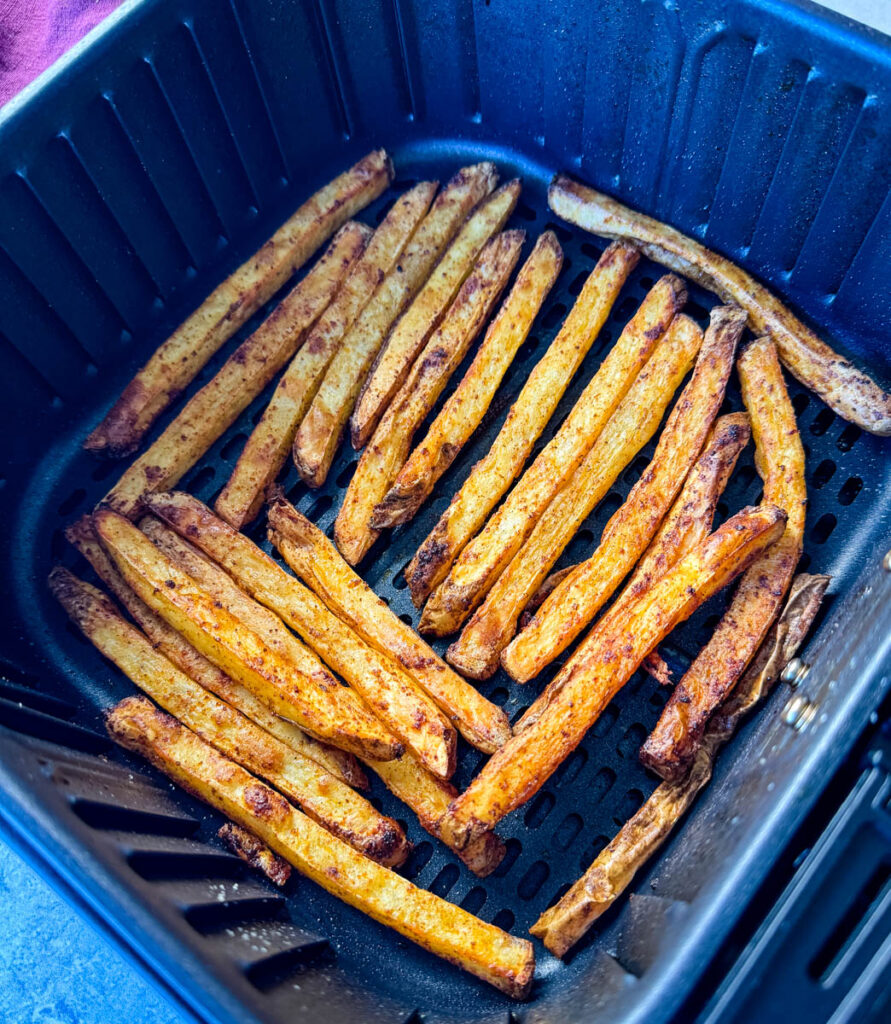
(247, 847)
(422, 317)
(355, 529)
(848, 391)
(320, 432)
(779, 457)
(266, 450)
(331, 803)
(467, 405)
(477, 650)
(438, 926)
(580, 597)
(176, 363)
(601, 666)
(487, 556)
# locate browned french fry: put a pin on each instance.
(246, 846)
(177, 649)
(422, 317)
(464, 410)
(320, 433)
(354, 528)
(561, 927)
(212, 410)
(317, 561)
(487, 556)
(306, 693)
(528, 417)
(334, 805)
(845, 389)
(266, 450)
(176, 363)
(779, 457)
(601, 666)
(438, 926)
(477, 650)
(580, 597)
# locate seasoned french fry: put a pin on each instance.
(601, 666)
(306, 694)
(422, 317)
(528, 417)
(334, 805)
(477, 650)
(848, 391)
(320, 433)
(779, 457)
(247, 847)
(212, 410)
(266, 450)
(354, 528)
(316, 560)
(488, 555)
(561, 927)
(580, 597)
(464, 410)
(176, 363)
(438, 926)
(177, 649)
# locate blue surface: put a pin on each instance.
(55, 969)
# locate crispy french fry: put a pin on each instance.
(422, 317)
(438, 926)
(334, 805)
(477, 650)
(779, 457)
(317, 561)
(306, 694)
(467, 405)
(848, 391)
(266, 450)
(176, 363)
(354, 528)
(212, 410)
(580, 597)
(321, 431)
(528, 417)
(177, 649)
(487, 556)
(246, 846)
(601, 666)
(561, 927)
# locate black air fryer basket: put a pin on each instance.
(150, 163)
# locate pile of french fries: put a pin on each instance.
(273, 688)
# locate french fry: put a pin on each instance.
(266, 450)
(178, 650)
(309, 695)
(247, 847)
(438, 926)
(409, 714)
(317, 561)
(464, 410)
(476, 652)
(176, 363)
(354, 528)
(561, 927)
(528, 417)
(488, 555)
(848, 391)
(331, 803)
(212, 410)
(779, 457)
(422, 317)
(580, 597)
(321, 431)
(601, 666)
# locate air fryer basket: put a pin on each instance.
(151, 162)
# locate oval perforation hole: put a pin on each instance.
(554, 315)
(578, 282)
(800, 402)
(569, 770)
(822, 422)
(592, 251)
(319, 507)
(823, 473)
(346, 474)
(850, 489)
(512, 849)
(104, 470)
(591, 851)
(539, 809)
(601, 784)
(417, 860)
(442, 884)
(823, 527)
(567, 831)
(499, 696)
(72, 502)
(406, 618)
(504, 919)
(562, 233)
(534, 878)
(697, 311)
(474, 901)
(610, 504)
(848, 438)
(626, 308)
(631, 741)
(605, 722)
(233, 447)
(630, 803)
(525, 212)
(201, 480)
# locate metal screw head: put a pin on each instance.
(795, 671)
(799, 712)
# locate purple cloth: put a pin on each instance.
(34, 33)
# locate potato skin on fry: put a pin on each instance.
(246, 846)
